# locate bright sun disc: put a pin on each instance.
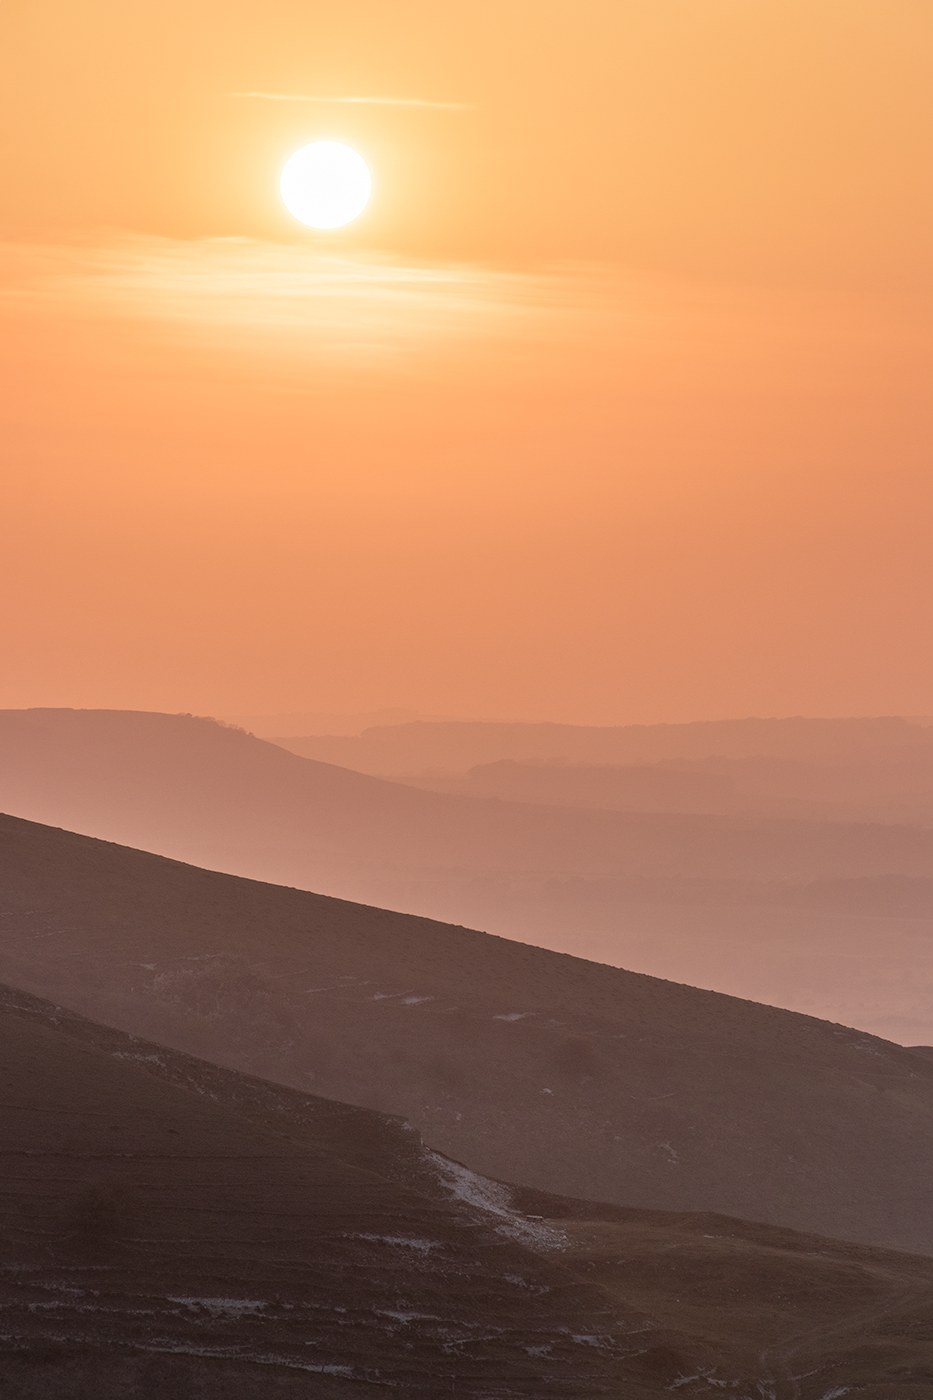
(325, 184)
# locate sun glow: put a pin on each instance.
(325, 184)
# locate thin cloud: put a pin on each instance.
(365, 101)
(300, 306)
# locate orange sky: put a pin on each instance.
(613, 406)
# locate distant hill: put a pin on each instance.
(457, 745)
(186, 1230)
(527, 1065)
(193, 788)
(323, 722)
(892, 786)
(848, 770)
(826, 917)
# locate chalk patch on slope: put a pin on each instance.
(494, 1199)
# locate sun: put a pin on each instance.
(325, 184)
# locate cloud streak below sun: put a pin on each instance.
(360, 101)
(627, 332)
(354, 311)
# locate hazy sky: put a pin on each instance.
(613, 405)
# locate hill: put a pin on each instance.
(527, 1065)
(183, 1229)
(759, 906)
(456, 745)
(888, 786)
(176, 781)
(180, 1226)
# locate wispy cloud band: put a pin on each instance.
(303, 307)
(364, 101)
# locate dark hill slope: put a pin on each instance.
(166, 1224)
(173, 1228)
(528, 1065)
